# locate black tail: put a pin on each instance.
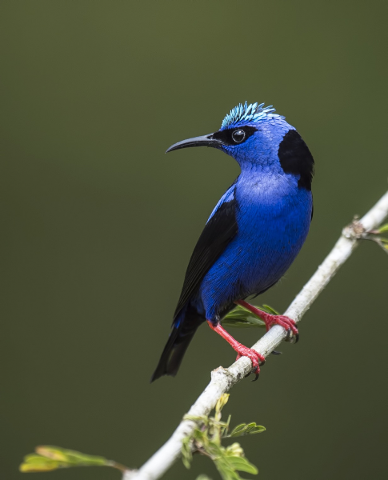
(176, 345)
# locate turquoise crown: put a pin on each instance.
(246, 113)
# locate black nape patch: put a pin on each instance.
(295, 157)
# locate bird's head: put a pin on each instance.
(254, 135)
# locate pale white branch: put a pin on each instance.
(223, 379)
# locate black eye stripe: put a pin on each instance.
(231, 136)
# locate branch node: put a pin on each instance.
(355, 230)
(219, 373)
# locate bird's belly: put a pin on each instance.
(262, 251)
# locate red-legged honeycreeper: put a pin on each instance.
(253, 234)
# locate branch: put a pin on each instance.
(222, 379)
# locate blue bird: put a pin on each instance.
(254, 232)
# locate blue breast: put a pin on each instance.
(273, 216)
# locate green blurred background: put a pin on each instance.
(98, 225)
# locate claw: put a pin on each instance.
(255, 357)
(292, 337)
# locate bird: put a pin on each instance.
(253, 234)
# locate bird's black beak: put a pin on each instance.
(203, 141)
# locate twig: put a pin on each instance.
(222, 379)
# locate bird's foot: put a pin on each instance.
(287, 323)
(242, 351)
(255, 357)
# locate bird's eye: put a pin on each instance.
(238, 136)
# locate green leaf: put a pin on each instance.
(236, 431)
(270, 310)
(203, 477)
(206, 439)
(383, 243)
(221, 402)
(242, 464)
(36, 463)
(200, 437)
(224, 428)
(241, 317)
(197, 418)
(383, 228)
(51, 458)
(187, 455)
(71, 457)
(246, 429)
(226, 470)
(228, 467)
(214, 450)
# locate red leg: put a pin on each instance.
(285, 322)
(241, 350)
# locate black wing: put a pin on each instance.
(219, 231)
